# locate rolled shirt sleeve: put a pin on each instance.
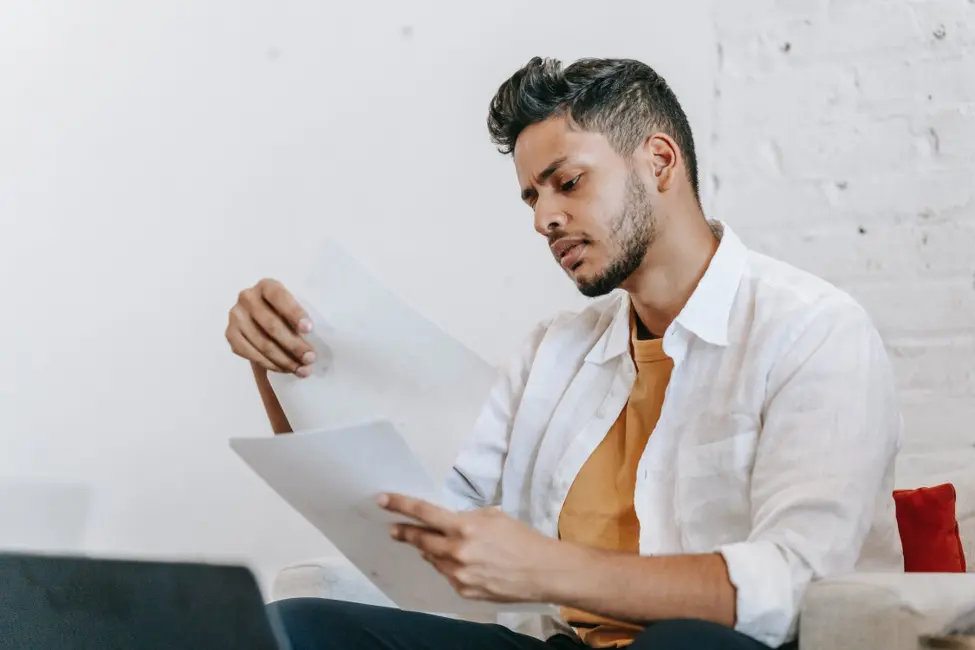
(823, 470)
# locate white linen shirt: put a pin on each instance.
(775, 444)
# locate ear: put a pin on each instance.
(660, 157)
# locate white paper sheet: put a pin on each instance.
(386, 361)
(332, 478)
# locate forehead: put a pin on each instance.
(541, 144)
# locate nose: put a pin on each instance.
(548, 217)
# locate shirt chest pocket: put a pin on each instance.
(732, 455)
(713, 481)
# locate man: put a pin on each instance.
(674, 464)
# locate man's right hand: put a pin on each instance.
(266, 327)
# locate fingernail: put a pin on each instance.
(303, 371)
(308, 358)
(382, 500)
(394, 531)
(304, 325)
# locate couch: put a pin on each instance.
(860, 611)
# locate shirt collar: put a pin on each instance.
(708, 310)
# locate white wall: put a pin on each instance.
(846, 145)
(156, 157)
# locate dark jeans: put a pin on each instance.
(319, 624)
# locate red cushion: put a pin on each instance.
(929, 530)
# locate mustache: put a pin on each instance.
(556, 235)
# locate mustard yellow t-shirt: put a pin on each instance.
(598, 510)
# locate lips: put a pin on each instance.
(573, 257)
(569, 251)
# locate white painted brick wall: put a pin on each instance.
(844, 143)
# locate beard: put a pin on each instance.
(631, 234)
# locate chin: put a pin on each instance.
(594, 285)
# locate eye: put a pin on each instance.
(571, 185)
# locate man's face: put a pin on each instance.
(589, 203)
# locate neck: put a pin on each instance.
(675, 263)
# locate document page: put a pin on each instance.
(384, 361)
(332, 477)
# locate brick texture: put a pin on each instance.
(844, 143)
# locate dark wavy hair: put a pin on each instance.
(623, 99)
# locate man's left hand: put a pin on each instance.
(485, 554)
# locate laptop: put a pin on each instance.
(73, 603)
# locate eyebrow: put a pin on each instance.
(540, 179)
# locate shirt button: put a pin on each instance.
(601, 412)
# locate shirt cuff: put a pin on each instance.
(765, 602)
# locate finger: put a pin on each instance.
(258, 338)
(476, 593)
(285, 304)
(445, 567)
(278, 330)
(449, 570)
(463, 588)
(430, 542)
(243, 348)
(460, 578)
(423, 511)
